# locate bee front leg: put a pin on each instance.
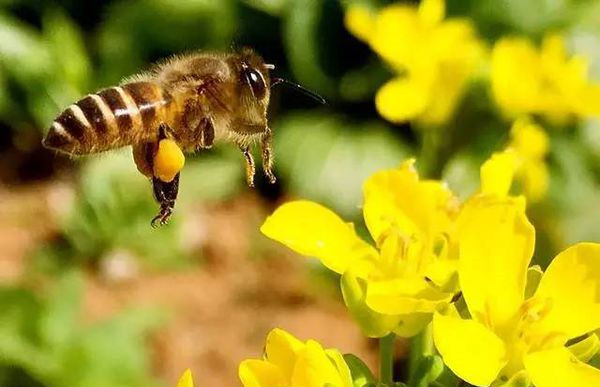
(166, 195)
(250, 168)
(267, 155)
(207, 132)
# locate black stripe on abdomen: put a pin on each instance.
(93, 114)
(72, 125)
(144, 94)
(116, 104)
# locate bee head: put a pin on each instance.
(254, 74)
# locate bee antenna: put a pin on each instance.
(300, 88)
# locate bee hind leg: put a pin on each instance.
(165, 194)
(267, 155)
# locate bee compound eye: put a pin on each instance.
(257, 82)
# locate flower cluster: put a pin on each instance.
(547, 81)
(435, 58)
(397, 284)
(289, 362)
(427, 246)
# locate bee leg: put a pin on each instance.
(142, 155)
(267, 155)
(166, 195)
(207, 132)
(250, 168)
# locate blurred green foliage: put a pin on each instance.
(43, 341)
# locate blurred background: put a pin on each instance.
(91, 295)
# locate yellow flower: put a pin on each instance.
(523, 160)
(290, 362)
(530, 144)
(542, 81)
(511, 334)
(398, 285)
(434, 58)
(186, 379)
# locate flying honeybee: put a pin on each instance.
(187, 103)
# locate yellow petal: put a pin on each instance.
(372, 324)
(559, 368)
(397, 34)
(432, 12)
(572, 285)
(496, 243)
(515, 75)
(535, 179)
(186, 379)
(397, 198)
(359, 20)
(469, 349)
(314, 368)
(315, 231)
(281, 349)
(497, 173)
(528, 139)
(342, 368)
(412, 324)
(402, 99)
(260, 373)
(553, 55)
(404, 296)
(168, 161)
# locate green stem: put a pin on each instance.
(386, 359)
(420, 346)
(430, 159)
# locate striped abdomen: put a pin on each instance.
(111, 118)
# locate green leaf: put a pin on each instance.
(428, 369)
(272, 7)
(73, 63)
(534, 276)
(361, 374)
(323, 158)
(585, 349)
(61, 309)
(302, 20)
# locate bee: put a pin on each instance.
(192, 101)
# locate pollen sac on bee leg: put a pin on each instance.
(168, 160)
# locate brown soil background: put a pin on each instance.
(222, 307)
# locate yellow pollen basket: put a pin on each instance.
(168, 161)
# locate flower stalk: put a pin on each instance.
(386, 359)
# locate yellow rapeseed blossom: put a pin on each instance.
(545, 81)
(168, 161)
(524, 160)
(289, 362)
(530, 144)
(396, 286)
(186, 379)
(516, 330)
(434, 58)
